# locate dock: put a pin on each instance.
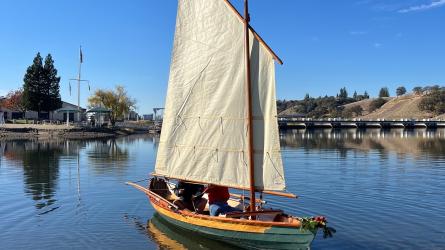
(307, 123)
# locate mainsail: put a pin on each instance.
(204, 131)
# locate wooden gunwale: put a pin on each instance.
(160, 202)
(233, 221)
(256, 35)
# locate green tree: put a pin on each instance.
(33, 94)
(343, 93)
(51, 82)
(401, 91)
(384, 92)
(41, 86)
(417, 90)
(366, 95)
(355, 95)
(117, 101)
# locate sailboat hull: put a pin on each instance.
(245, 235)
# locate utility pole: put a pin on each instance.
(79, 79)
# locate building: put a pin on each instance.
(52, 116)
(148, 117)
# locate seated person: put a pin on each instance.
(218, 197)
(190, 196)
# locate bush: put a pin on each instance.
(434, 101)
(376, 104)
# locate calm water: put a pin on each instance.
(379, 189)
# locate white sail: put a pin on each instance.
(204, 132)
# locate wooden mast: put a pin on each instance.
(249, 107)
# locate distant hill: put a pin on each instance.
(406, 106)
(364, 104)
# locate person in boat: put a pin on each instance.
(190, 196)
(218, 197)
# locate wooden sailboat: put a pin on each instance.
(220, 128)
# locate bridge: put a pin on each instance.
(303, 123)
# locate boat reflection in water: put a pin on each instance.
(169, 237)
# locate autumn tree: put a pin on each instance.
(116, 100)
(14, 101)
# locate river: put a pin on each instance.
(379, 189)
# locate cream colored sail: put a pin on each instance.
(204, 131)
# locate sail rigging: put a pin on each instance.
(205, 134)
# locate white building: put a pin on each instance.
(53, 115)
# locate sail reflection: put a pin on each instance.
(415, 142)
(172, 237)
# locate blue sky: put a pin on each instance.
(325, 45)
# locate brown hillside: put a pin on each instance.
(364, 104)
(400, 107)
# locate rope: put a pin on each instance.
(273, 165)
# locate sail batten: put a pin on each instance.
(204, 132)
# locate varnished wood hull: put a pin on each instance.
(241, 234)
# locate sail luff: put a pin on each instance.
(249, 107)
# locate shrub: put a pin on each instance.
(376, 104)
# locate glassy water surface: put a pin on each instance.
(379, 189)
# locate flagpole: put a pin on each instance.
(78, 84)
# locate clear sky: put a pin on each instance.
(325, 45)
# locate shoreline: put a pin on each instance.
(26, 132)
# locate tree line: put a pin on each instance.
(40, 90)
(41, 93)
(333, 106)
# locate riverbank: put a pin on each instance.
(36, 131)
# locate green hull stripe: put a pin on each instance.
(273, 238)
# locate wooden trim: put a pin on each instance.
(241, 214)
(156, 199)
(232, 220)
(276, 193)
(149, 192)
(257, 36)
